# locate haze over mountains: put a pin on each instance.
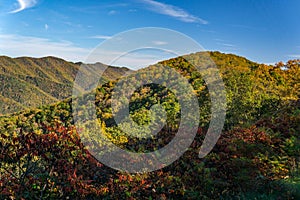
(32, 82)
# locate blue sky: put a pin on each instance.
(264, 31)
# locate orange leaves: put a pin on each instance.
(74, 174)
(123, 177)
(59, 160)
(251, 135)
(104, 190)
(56, 155)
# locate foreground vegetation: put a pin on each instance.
(256, 157)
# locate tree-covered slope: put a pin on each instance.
(32, 82)
(256, 157)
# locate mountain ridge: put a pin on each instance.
(32, 82)
(49, 79)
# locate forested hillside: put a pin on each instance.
(256, 157)
(32, 82)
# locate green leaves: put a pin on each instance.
(41, 154)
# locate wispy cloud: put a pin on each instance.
(97, 8)
(46, 27)
(133, 60)
(226, 44)
(294, 56)
(246, 27)
(172, 11)
(112, 12)
(132, 10)
(208, 31)
(24, 4)
(159, 42)
(219, 40)
(18, 45)
(102, 37)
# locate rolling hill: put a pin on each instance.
(32, 82)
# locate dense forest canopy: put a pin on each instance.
(257, 155)
(32, 82)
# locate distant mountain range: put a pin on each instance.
(31, 82)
